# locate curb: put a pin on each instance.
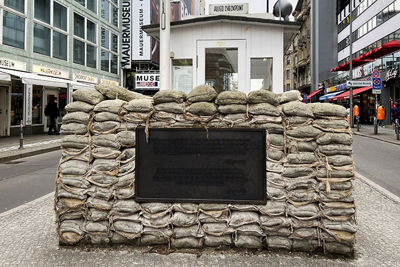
(378, 188)
(25, 154)
(376, 138)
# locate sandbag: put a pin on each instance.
(126, 138)
(73, 128)
(125, 206)
(295, 172)
(105, 165)
(335, 138)
(170, 107)
(105, 153)
(79, 106)
(262, 96)
(248, 241)
(232, 109)
(187, 242)
(289, 96)
(165, 96)
(106, 116)
(231, 97)
(74, 141)
(184, 219)
(331, 124)
(340, 160)
(202, 93)
(301, 158)
(112, 106)
(90, 96)
(328, 109)
(216, 241)
(202, 109)
(74, 167)
(297, 108)
(336, 149)
(263, 109)
(77, 117)
(304, 132)
(114, 92)
(105, 126)
(239, 218)
(106, 140)
(139, 105)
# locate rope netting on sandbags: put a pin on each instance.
(309, 172)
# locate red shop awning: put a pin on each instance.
(356, 62)
(381, 51)
(313, 94)
(347, 93)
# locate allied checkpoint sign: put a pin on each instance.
(195, 165)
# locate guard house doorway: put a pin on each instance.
(222, 64)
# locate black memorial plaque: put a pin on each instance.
(186, 165)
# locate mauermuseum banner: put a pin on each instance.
(141, 44)
(126, 34)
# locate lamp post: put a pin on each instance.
(351, 65)
(165, 66)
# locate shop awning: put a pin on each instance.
(358, 61)
(328, 96)
(313, 93)
(5, 77)
(355, 92)
(382, 50)
(33, 78)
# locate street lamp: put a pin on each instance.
(165, 36)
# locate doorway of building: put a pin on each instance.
(222, 64)
(4, 110)
(48, 95)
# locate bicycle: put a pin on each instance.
(397, 129)
(358, 123)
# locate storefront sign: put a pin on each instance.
(110, 82)
(50, 71)
(126, 49)
(147, 81)
(224, 9)
(12, 64)
(84, 78)
(393, 73)
(28, 104)
(358, 83)
(141, 43)
(365, 70)
(332, 89)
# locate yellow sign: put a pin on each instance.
(12, 64)
(332, 89)
(109, 82)
(50, 71)
(79, 77)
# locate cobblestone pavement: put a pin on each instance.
(28, 237)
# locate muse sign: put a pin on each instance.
(147, 81)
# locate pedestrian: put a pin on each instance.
(52, 111)
(395, 114)
(380, 115)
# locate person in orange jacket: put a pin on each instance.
(380, 115)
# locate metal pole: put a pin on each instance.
(267, 6)
(351, 66)
(21, 137)
(165, 68)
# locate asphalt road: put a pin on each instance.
(378, 161)
(26, 179)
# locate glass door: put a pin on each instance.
(222, 64)
(48, 95)
(3, 110)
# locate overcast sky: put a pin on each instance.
(253, 4)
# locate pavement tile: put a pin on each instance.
(28, 238)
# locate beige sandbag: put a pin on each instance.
(304, 132)
(262, 96)
(231, 97)
(90, 96)
(328, 109)
(115, 91)
(140, 105)
(112, 106)
(335, 138)
(289, 96)
(232, 109)
(202, 108)
(79, 106)
(263, 109)
(165, 96)
(170, 107)
(297, 108)
(202, 93)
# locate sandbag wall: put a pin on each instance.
(309, 172)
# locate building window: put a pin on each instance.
(287, 60)
(85, 35)
(14, 23)
(182, 74)
(17, 102)
(288, 87)
(109, 11)
(50, 38)
(109, 51)
(37, 92)
(288, 74)
(261, 73)
(89, 4)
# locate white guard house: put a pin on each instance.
(228, 52)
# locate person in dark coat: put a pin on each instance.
(52, 111)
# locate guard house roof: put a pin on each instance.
(289, 27)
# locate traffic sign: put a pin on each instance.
(358, 83)
(376, 85)
(376, 74)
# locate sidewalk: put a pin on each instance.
(28, 237)
(385, 134)
(33, 145)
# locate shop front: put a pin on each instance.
(24, 96)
